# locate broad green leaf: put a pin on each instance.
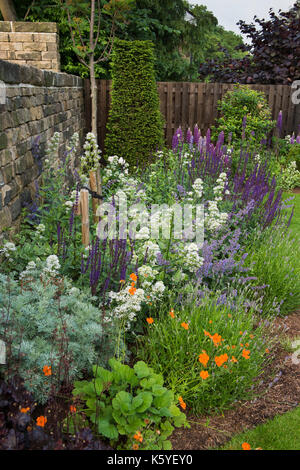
(122, 402)
(107, 429)
(147, 399)
(167, 445)
(164, 400)
(141, 369)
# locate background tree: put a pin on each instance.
(8, 11)
(272, 57)
(165, 23)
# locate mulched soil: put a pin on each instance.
(279, 393)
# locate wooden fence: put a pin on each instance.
(186, 104)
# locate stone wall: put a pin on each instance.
(34, 44)
(35, 104)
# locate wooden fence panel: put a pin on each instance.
(186, 104)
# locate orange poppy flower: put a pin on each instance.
(185, 325)
(24, 410)
(246, 354)
(47, 370)
(182, 403)
(122, 281)
(219, 360)
(73, 409)
(132, 290)
(133, 277)
(135, 446)
(149, 321)
(267, 351)
(41, 421)
(203, 358)
(204, 374)
(246, 446)
(210, 321)
(138, 436)
(233, 359)
(171, 313)
(216, 339)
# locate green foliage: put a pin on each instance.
(173, 350)
(47, 322)
(274, 260)
(180, 45)
(294, 155)
(130, 402)
(135, 124)
(240, 103)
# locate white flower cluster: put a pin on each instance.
(126, 306)
(128, 302)
(190, 257)
(218, 190)
(215, 219)
(289, 178)
(90, 161)
(40, 229)
(51, 161)
(30, 269)
(52, 265)
(7, 250)
(73, 143)
(152, 249)
(198, 187)
(257, 159)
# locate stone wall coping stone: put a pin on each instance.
(11, 73)
(27, 27)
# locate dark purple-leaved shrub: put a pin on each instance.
(19, 429)
(273, 55)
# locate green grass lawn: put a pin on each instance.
(295, 223)
(281, 433)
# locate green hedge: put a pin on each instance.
(135, 124)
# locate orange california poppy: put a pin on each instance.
(233, 359)
(149, 321)
(132, 290)
(204, 374)
(203, 358)
(133, 277)
(138, 436)
(171, 313)
(182, 403)
(246, 354)
(24, 410)
(216, 339)
(219, 360)
(73, 409)
(47, 370)
(246, 446)
(41, 421)
(135, 446)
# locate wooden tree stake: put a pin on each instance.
(93, 185)
(85, 225)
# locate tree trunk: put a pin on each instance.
(93, 95)
(94, 105)
(8, 11)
